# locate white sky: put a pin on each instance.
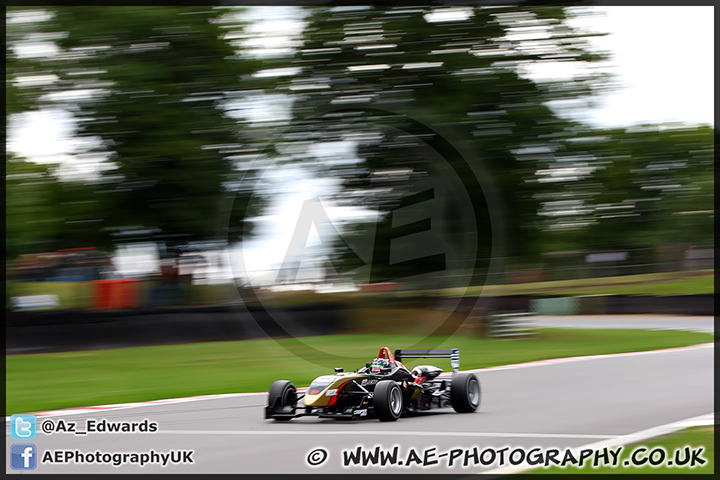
(663, 58)
(665, 61)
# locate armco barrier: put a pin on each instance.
(63, 330)
(518, 303)
(702, 304)
(592, 304)
(511, 325)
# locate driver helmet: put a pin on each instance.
(379, 364)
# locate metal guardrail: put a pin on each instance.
(514, 324)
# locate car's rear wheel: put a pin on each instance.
(282, 399)
(388, 401)
(465, 392)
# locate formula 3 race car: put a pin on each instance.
(384, 389)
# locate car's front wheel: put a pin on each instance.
(282, 400)
(388, 401)
(465, 392)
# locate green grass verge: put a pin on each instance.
(36, 382)
(695, 438)
(669, 283)
(691, 286)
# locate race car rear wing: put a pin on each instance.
(452, 354)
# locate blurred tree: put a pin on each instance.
(43, 213)
(40, 210)
(30, 217)
(403, 73)
(22, 27)
(148, 87)
(636, 188)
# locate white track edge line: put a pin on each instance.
(620, 441)
(393, 433)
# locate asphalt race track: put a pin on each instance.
(695, 323)
(544, 404)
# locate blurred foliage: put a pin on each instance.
(632, 188)
(161, 97)
(22, 25)
(30, 216)
(401, 78)
(43, 213)
(148, 87)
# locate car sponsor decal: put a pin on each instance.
(334, 397)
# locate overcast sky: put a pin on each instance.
(665, 61)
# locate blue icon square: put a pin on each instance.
(23, 427)
(23, 456)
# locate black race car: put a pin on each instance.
(384, 389)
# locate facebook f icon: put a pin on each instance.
(23, 427)
(23, 456)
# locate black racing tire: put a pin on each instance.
(388, 401)
(285, 394)
(465, 392)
